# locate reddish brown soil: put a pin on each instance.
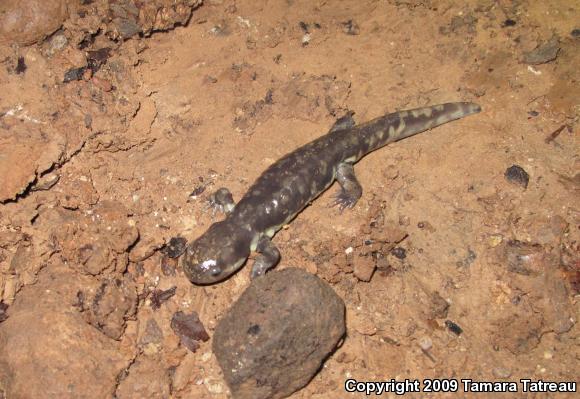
(215, 102)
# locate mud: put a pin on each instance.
(98, 173)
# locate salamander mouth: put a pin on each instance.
(208, 271)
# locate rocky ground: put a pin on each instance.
(119, 118)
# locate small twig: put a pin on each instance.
(535, 99)
(429, 355)
(554, 134)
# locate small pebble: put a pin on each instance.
(102, 84)
(345, 357)
(86, 41)
(217, 30)
(524, 258)
(350, 27)
(160, 296)
(399, 253)
(495, 240)
(404, 220)
(544, 53)
(209, 79)
(74, 74)
(3, 308)
(87, 74)
(453, 327)
(517, 175)
(200, 188)
(426, 226)
(98, 57)
(509, 22)
(46, 182)
(176, 247)
(501, 372)
(213, 386)
(168, 265)
(468, 260)
(152, 335)
(20, 66)
(364, 268)
(189, 329)
(57, 43)
(425, 343)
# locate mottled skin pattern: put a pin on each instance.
(290, 184)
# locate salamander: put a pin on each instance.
(285, 188)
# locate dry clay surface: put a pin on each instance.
(115, 128)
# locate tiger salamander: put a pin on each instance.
(291, 183)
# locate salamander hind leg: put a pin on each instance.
(222, 200)
(344, 122)
(350, 189)
(268, 257)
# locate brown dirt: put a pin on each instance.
(96, 176)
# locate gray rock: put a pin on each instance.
(544, 53)
(275, 337)
(517, 175)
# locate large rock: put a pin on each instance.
(47, 350)
(95, 243)
(275, 337)
(25, 22)
(26, 151)
(130, 17)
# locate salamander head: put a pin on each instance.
(217, 254)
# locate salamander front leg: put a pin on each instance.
(268, 257)
(350, 189)
(222, 200)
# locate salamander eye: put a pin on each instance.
(215, 271)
